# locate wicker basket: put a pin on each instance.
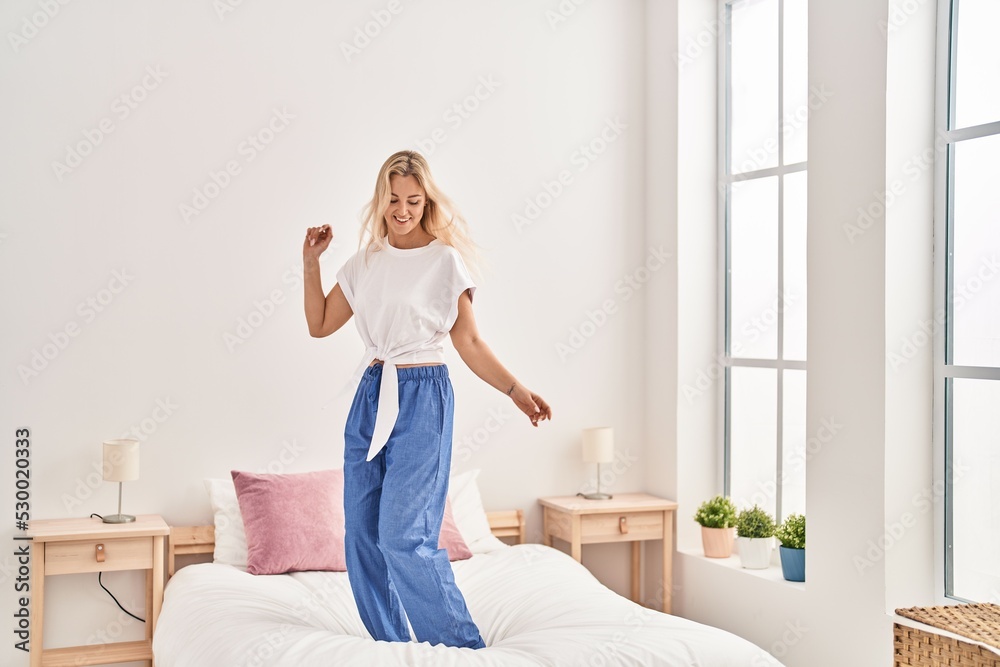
(915, 647)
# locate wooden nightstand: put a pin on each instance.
(628, 517)
(72, 546)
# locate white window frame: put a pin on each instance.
(725, 180)
(944, 371)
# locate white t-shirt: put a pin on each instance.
(405, 301)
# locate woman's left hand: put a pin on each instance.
(531, 404)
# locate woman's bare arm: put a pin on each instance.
(478, 356)
(324, 315)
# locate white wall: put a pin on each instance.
(913, 490)
(661, 299)
(277, 401)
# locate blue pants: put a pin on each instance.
(393, 508)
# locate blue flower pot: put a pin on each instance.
(793, 563)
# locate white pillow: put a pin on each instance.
(470, 517)
(230, 538)
(463, 492)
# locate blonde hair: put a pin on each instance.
(441, 218)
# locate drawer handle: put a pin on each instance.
(623, 525)
(99, 552)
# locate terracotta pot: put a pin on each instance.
(717, 542)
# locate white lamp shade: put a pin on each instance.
(599, 445)
(121, 460)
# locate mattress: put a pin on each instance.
(534, 605)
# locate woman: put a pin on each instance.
(409, 288)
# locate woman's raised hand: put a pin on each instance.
(317, 240)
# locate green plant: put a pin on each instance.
(792, 533)
(719, 512)
(754, 522)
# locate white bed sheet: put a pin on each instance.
(534, 605)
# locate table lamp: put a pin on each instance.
(121, 464)
(598, 447)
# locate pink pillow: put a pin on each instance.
(295, 522)
(450, 538)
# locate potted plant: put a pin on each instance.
(792, 535)
(717, 518)
(755, 537)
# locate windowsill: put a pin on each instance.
(772, 573)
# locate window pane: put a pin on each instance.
(976, 271)
(753, 434)
(753, 58)
(793, 444)
(976, 489)
(977, 95)
(794, 300)
(753, 251)
(795, 91)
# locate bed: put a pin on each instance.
(534, 605)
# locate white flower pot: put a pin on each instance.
(755, 552)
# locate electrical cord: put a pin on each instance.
(116, 600)
(109, 592)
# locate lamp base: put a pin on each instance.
(597, 496)
(118, 518)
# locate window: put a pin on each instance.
(967, 326)
(762, 184)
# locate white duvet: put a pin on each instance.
(534, 605)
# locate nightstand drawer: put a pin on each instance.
(621, 527)
(120, 553)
